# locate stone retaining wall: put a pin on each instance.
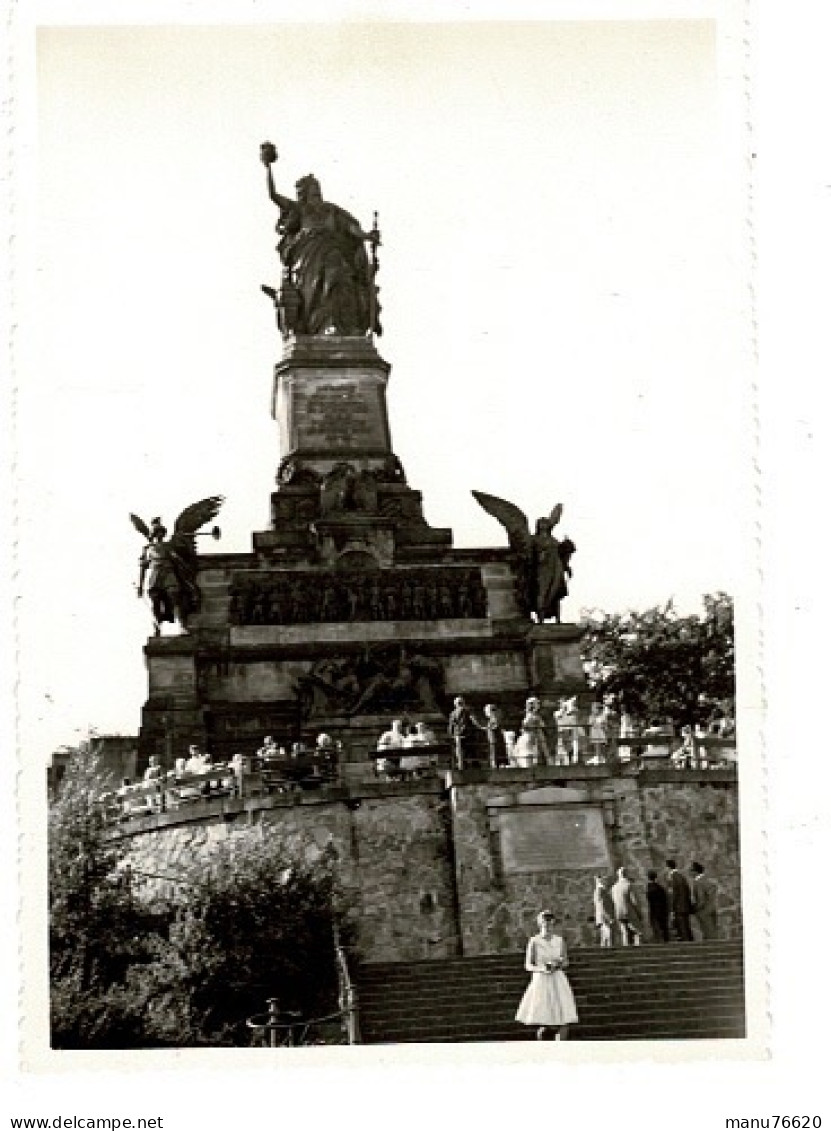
(423, 863)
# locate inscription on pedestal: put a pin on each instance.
(543, 839)
(338, 416)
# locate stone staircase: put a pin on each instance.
(658, 992)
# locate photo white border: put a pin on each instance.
(752, 795)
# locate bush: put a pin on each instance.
(254, 921)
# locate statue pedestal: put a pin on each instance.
(330, 400)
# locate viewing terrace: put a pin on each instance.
(248, 782)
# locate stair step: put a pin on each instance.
(577, 1033)
(582, 954)
(498, 1003)
(725, 1025)
(632, 957)
(728, 1010)
(576, 975)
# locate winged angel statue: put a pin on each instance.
(167, 567)
(542, 561)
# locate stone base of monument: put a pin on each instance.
(351, 610)
(227, 686)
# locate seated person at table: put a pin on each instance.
(130, 805)
(421, 736)
(392, 739)
(153, 775)
(197, 763)
(683, 758)
(326, 751)
(154, 770)
(269, 751)
(657, 729)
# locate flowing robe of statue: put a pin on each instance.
(324, 250)
(548, 574)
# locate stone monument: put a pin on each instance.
(351, 609)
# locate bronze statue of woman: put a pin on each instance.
(322, 247)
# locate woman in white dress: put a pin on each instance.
(531, 748)
(548, 1002)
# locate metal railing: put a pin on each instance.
(347, 993)
(289, 1029)
(172, 791)
(567, 747)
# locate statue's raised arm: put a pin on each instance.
(268, 156)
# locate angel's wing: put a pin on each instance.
(197, 514)
(183, 542)
(141, 526)
(510, 516)
(556, 514)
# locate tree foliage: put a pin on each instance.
(97, 931)
(255, 920)
(133, 964)
(660, 664)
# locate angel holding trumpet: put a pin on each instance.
(542, 561)
(168, 566)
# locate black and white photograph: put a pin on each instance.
(387, 561)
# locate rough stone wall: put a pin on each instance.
(405, 878)
(392, 859)
(497, 911)
(687, 820)
(424, 872)
(698, 821)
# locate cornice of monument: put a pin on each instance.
(333, 350)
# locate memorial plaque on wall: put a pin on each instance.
(542, 838)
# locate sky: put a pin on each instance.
(563, 281)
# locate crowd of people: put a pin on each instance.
(569, 736)
(198, 776)
(416, 743)
(672, 902)
(411, 749)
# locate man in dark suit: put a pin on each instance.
(658, 903)
(680, 902)
(705, 898)
(461, 727)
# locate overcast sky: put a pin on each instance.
(563, 282)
